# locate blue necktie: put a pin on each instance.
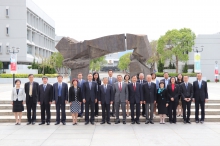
(186, 85)
(199, 84)
(90, 84)
(105, 88)
(110, 80)
(59, 90)
(44, 87)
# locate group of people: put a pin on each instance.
(167, 95)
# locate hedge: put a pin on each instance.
(26, 75)
(175, 74)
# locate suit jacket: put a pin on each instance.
(72, 94)
(200, 93)
(20, 96)
(149, 93)
(114, 80)
(175, 94)
(106, 97)
(81, 84)
(35, 90)
(186, 92)
(120, 96)
(45, 96)
(64, 92)
(144, 81)
(134, 96)
(90, 94)
(163, 80)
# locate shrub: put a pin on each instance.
(26, 75)
(175, 74)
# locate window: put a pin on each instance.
(7, 48)
(7, 11)
(0, 47)
(7, 29)
(29, 49)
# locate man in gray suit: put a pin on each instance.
(120, 91)
(111, 81)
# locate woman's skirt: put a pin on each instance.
(18, 106)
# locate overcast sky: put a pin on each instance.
(89, 19)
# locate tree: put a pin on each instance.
(185, 68)
(1, 65)
(155, 56)
(124, 61)
(170, 66)
(96, 63)
(176, 43)
(160, 66)
(173, 66)
(56, 60)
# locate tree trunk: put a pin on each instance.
(177, 61)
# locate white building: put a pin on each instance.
(24, 25)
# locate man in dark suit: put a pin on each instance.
(166, 80)
(149, 97)
(31, 90)
(135, 98)
(105, 99)
(200, 96)
(111, 81)
(80, 84)
(186, 91)
(142, 81)
(45, 98)
(60, 96)
(89, 98)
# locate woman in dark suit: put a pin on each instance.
(75, 100)
(99, 82)
(18, 98)
(162, 102)
(173, 95)
(179, 106)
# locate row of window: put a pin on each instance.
(38, 23)
(39, 52)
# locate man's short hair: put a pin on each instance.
(44, 77)
(134, 76)
(59, 76)
(30, 75)
(80, 73)
(165, 73)
(110, 70)
(119, 75)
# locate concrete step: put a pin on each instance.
(8, 112)
(207, 106)
(11, 119)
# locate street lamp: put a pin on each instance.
(216, 71)
(14, 51)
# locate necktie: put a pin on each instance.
(134, 86)
(141, 81)
(110, 80)
(59, 90)
(199, 84)
(149, 84)
(90, 84)
(30, 89)
(105, 88)
(44, 87)
(120, 86)
(186, 85)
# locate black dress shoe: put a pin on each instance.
(33, 123)
(57, 123)
(147, 122)
(171, 122)
(137, 122)
(108, 123)
(48, 123)
(151, 122)
(132, 122)
(92, 123)
(201, 121)
(28, 123)
(174, 122)
(197, 121)
(184, 122)
(117, 122)
(42, 123)
(86, 123)
(144, 115)
(188, 122)
(96, 115)
(113, 115)
(102, 123)
(64, 123)
(124, 122)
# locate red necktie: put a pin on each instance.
(120, 86)
(134, 87)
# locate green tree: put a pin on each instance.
(173, 66)
(185, 68)
(176, 43)
(160, 66)
(56, 60)
(170, 66)
(124, 61)
(1, 65)
(95, 64)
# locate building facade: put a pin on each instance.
(25, 26)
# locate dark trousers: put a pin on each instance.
(60, 105)
(92, 106)
(172, 112)
(186, 105)
(202, 106)
(143, 109)
(113, 108)
(96, 108)
(106, 108)
(137, 111)
(82, 109)
(31, 105)
(45, 108)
